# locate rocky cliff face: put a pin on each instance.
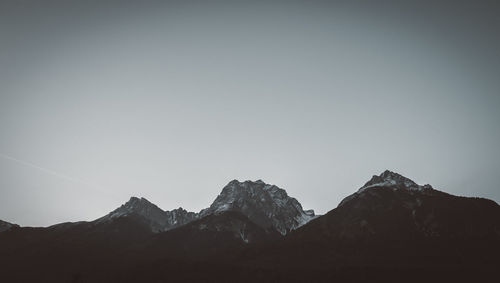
(266, 205)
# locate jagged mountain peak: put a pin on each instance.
(251, 186)
(246, 182)
(141, 206)
(236, 191)
(158, 219)
(180, 209)
(137, 206)
(138, 201)
(265, 204)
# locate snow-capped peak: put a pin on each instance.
(388, 179)
(394, 180)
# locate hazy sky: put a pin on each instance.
(101, 100)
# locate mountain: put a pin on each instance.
(212, 235)
(392, 222)
(266, 205)
(393, 206)
(158, 219)
(389, 230)
(4, 226)
(388, 179)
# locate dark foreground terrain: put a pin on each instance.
(391, 229)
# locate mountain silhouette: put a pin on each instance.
(390, 229)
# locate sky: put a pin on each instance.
(101, 100)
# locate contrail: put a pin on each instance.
(49, 171)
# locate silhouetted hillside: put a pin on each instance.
(391, 229)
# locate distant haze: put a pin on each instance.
(170, 100)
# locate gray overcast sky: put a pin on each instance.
(102, 100)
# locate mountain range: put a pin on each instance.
(266, 205)
(390, 229)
